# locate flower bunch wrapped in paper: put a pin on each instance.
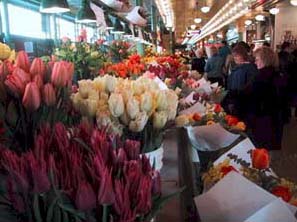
(133, 108)
(170, 70)
(132, 67)
(78, 174)
(88, 58)
(31, 94)
(256, 169)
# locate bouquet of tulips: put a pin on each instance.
(87, 58)
(131, 67)
(78, 174)
(137, 109)
(32, 94)
(257, 171)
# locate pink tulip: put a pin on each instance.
(15, 85)
(120, 157)
(25, 77)
(70, 70)
(61, 136)
(132, 149)
(85, 197)
(146, 165)
(37, 67)
(22, 61)
(31, 99)
(60, 76)
(106, 193)
(49, 94)
(38, 80)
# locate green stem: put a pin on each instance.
(23, 123)
(105, 213)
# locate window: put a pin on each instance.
(25, 22)
(67, 29)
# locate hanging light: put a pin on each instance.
(260, 18)
(108, 22)
(248, 22)
(293, 2)
(274, 11)
(118, 27)
(54, 6)
(193, 27)
(85, 13)
(197, 20)
(205, 9)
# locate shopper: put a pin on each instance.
(214, 67)
(224, 51)
(238, 80)
(264, 101)
(198, 62)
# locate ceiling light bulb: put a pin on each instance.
(274, 11)
(193, 27)
(293, 2)
(260, 18)
(205, 9)
(197, 20)
(248, 22)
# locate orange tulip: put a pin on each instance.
(22, 61)
(38, 80)
(15, 85)
(260, 159)
(70, 69)
(49, 94)
(31, 98)
(37, 67)
(60, 75)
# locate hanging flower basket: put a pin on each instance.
(135, 16)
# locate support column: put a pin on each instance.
(139, 45)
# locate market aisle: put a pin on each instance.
(169, 175)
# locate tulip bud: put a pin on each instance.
(70, 70)
(37, 67)
(3, 71)
(260, 159)
(22, 61)
(15, 85)
(49, 94)
(144, 197)
(38, 80)
(106, 193)
(25, 77)
(59, 75)
(31, 98)
(132, 149)
(159, 119)
(85, 197)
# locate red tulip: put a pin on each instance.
(231, 120)
(38, 80)
(85, 197)
(119, 157)
(227, 169)
(22, 61)
(60, 76)
(25, 77)
(15, 85)
(144, 197)
(31, 98)
(132, 149)
(106, 193)
(217, 108)
(283, 192)
(37, 67)
(260, 159)
(49, 94)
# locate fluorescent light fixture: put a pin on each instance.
(260, 18)
(197, 20)
(54, 6)
(248, 22)
(205, 9)
(293, 2)
(193, 27)
(274, 11)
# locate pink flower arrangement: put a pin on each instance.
(83, 168)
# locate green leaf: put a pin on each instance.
(159, 203)
(57, 214)
(12, 118)
(65, 216)
(36, 208)
(70, 209)
(83, 144)
(50, 211)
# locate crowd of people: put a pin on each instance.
(261, 84)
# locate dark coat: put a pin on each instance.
(264, 109)
(198, 64)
